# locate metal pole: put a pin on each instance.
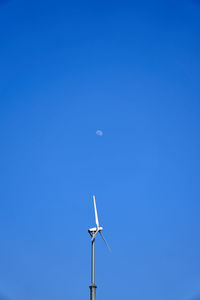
(93, 262)
(93, 286)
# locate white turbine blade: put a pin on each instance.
(95, 235)
(104, 241)
(95, 210)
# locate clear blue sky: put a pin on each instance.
(130, 69)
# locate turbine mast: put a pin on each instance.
(93, 285)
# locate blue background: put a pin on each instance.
(130, 69)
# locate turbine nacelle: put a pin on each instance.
(94, 229)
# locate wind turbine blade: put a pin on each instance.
(95, 211)
(95, 235)
(105, 241)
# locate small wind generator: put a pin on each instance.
(93, 232)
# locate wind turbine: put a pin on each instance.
(93, 232)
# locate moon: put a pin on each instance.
(99, 132)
